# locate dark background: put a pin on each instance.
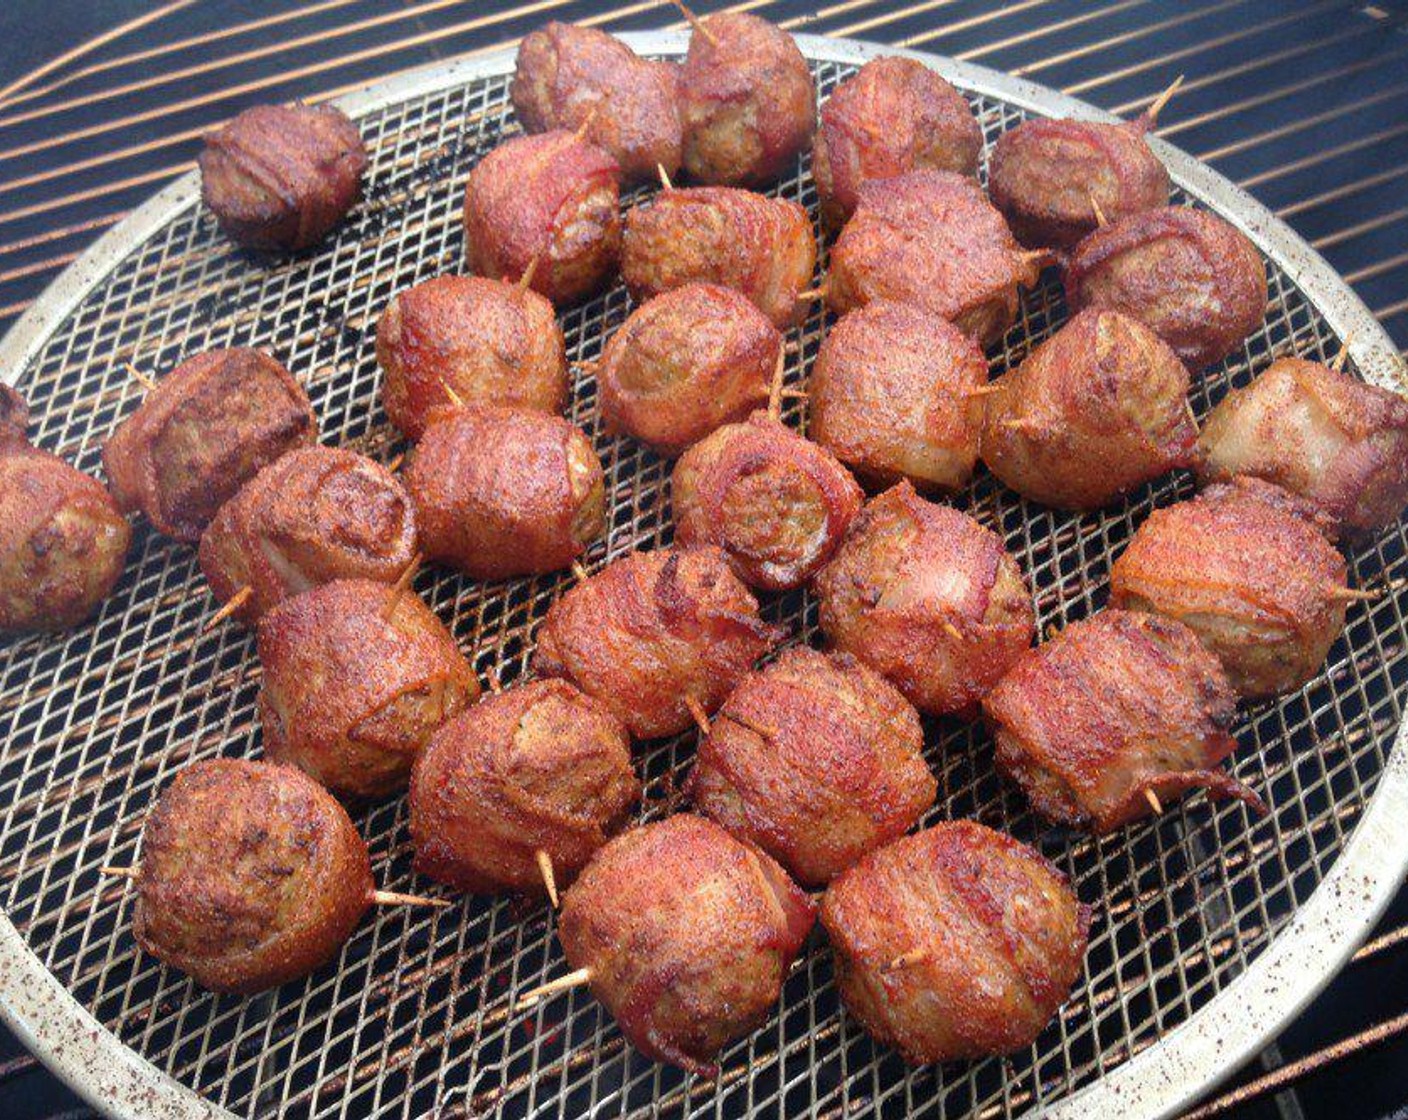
(1305, 104)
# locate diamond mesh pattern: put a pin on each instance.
(415, 1018)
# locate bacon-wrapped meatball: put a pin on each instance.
(281, 176)
(541, 767)
(566, 75)
(777, 504)
(1110, 710)
(251, 876)
(652, 633)
(357, 677)
(1248, 568)
(14, 417)
(894, 394)
(931, 238)
(1189, 275)
(747, 101)
(547, 202)
(207, 428)
(1096, 410)
(956, 942)
(893, 115)
(929, 598)
(688, 934)
(762, 247)
(816, 760)
(501, 492)
(312, 516)
(1319, 433)
(467, 338)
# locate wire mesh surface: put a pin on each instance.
(415, 1016)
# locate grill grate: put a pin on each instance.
(415, 1016)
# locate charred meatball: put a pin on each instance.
(1319, 433)
(895, 393)
(777, 504)
(501, 492)
(547, 202)
(1096, 410)
(1111, 710)
(280, 177)
(541, 767)
(931, 238)
(892, 116)
(357, 677)
(747, 102)
(207, 428)
(816, 760)
(957, 942)
(466, 338)
(251, 876)
(652, 633)
(688, 934)
(762, 247)
(1189, 275)
(929, 598)
(1248, 568)
(566, 76)
(312, 516)
(684, 363)
(14, 417)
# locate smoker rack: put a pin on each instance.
(179, 288)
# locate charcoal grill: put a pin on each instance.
(1212, 927)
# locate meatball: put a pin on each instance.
(568, 76)
(1112, 710)
(202, 433)
(1248, 568)
(777, 504)
(280, 177)
(896, 393)
(357, 677)
(465, 338)
(1319, 433)
(957, 942)
(816, 760)
(312, 516)
(928, 597)
(545, 203)
(14, 417)
(1189, 275)
(688, 934)
(541, 767)
(893, 115)
(762, 247)
(933, 239)
(251, 876)
(501, 492)
(747, 102)
(652, 634)
(1095, 411)
(685, 362)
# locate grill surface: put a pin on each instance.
(416, 1015)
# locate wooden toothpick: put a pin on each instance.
(549, 879)
(1156, 107)
(140, 378)
(696, 23)
(664, 177)
(232, 604)
(398, 589)
(775, 389)
(1153, 799)
(572, 980)
(701, 717)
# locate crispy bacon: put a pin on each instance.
(14, 418)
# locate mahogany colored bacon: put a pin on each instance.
(1247, 567)
(688, 934)
(207, 428)
(357, 677)
(312, 516)
(468, 338)
(816, 760)
(957, 942)
(1112, 709)
(929, 598)
(892, 116)
(652, 632)
(1095, 411)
